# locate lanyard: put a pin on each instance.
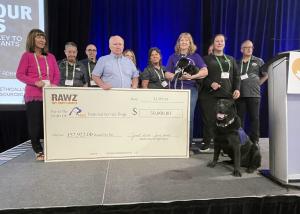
(39, 68)
(220, 65)
(242, 63)
(67, 70)
(89, 69)
(162, 73)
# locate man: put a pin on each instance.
(90, 63)
(115, 70)
(252, 76)
(72, 72)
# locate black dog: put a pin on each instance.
(185, 65)
(230, 137)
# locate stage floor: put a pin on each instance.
(26, 183)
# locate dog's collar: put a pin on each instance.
(226, 124)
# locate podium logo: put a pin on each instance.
(296, 67)
(64, 98)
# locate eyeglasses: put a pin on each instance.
(91, 50)
(248, 47)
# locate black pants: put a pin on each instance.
(34, 111)
(208, 113)
(250, 105)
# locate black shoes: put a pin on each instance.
(205, 147)
(201, 147)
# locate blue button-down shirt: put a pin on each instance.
(116, 70)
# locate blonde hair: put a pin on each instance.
(30, 41)
(133, 55)
(192, 47)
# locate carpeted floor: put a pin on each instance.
(26, 183)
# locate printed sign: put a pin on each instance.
(91, 123)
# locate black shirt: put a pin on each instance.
(80, 76)
(88, 63)
(150, 73)
(228, 85)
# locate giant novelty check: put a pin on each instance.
(91, 123)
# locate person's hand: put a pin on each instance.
(105, 86)
(39, 84)
(236, 94)
(215, 86)
(186, 76)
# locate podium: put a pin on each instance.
(284, 119)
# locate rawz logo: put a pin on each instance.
(64, 98)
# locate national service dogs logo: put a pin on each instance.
(75, 111)
(296, 68)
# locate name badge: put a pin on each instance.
(47, 83)
(69, 82)
(164, 84)
(244, 76)
(92, 82)
(225, 75)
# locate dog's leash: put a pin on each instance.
(175, 78)
(223, 90)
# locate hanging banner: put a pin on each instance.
(91, 123)
(17, 18)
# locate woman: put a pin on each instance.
(130, 55)
(37, 69)
(223, 81)
(154, 74)
(185, 47)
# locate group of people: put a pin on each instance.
(218, 76)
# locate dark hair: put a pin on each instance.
(219, 34)
(150, 52)
(30, 41)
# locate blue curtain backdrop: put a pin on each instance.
(144, 24)
(287, 30)
(273, 26)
